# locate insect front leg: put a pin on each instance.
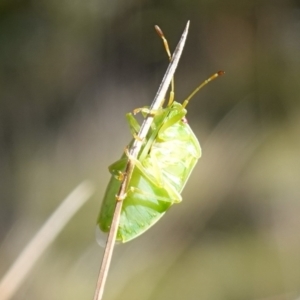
(134, 126)
(171, 121)
(147, 111)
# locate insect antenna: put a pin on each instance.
(205, 82)
(166, 46)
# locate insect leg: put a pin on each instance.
(135, 161)
(173, 198)
(171, 121)
(117, 168)
(146, 111)
(134, 126)
(157, 181)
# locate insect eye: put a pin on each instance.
(184, 120)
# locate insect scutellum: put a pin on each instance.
(172, 92)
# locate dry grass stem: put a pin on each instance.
(43, 238)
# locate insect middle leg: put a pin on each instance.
(147, 111)
(171, 121)
(168, 196)
(153, 176)
(134, 126)
(117, 168)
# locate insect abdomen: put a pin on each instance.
(143, 206)
(156, 182)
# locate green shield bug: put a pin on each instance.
(167, 157)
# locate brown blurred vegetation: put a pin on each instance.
(70, 70)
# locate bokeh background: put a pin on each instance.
(70, 70)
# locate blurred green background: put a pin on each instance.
(70, 70)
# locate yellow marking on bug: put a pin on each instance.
(136, 137)
(122, 197)
(120, 176)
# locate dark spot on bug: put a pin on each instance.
(184, 120)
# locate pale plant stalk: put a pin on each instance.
(133, 153)
(16, 274)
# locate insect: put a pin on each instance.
(167, 157)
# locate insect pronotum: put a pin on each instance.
(168, 154)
